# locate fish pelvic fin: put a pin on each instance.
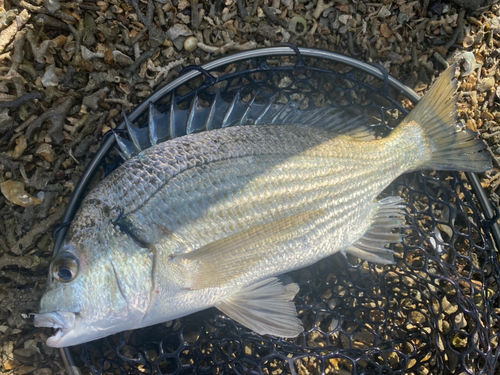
(389, 214)
(265, 307)
(448, 146)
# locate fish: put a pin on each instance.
(215, 218)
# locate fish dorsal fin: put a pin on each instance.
(235, 111)
(127, 148)
(177, 119)
(230, 257)
(158, 125)
(389, 214)
(256, 110)
(139, 137)
(266, 308)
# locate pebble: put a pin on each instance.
(23, 370)
(26, 353)
(109, 58)
(40, 195)
(178, 30)
(52, 5)
(190, 44)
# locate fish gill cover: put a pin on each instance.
(436, 311)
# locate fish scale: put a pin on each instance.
(240, 147)
(180, 195)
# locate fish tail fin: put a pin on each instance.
(448, 147)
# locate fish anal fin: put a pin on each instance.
(266, 308)
(231, 257)
(389, 214)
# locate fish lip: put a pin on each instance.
(63, 321)
(55, 319)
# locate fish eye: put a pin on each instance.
(65, 268)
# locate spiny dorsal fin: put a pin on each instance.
(267, 108)
(197, 117)
(177, 119)
(231, 115)
(139, 137)
(216, 113)
(158, 125)
(127, 149)
(178, 122)
(252, 105)
(266, 308)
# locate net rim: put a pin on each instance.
(285, 49)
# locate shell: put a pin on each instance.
(15, 193)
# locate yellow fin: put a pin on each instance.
(389, 213)
(451, 148)
(266, 308)
(231, 257)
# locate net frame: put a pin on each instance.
(343, 354)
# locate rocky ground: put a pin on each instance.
(69, 69)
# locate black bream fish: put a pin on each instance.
(210, 219)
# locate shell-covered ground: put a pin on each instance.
(69, 69)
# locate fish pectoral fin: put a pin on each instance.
(266, 308)
(231, 257)
(389, 214)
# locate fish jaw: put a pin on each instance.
(63, 321)
(73, 330)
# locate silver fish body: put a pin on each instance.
(210, 219)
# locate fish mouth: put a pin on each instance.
(63, 321)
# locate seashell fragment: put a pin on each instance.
(298, 25)
(21, 145)
(470, 63)
(486, 84)
(45, 151)
(50, 77)
(122, 59)
(495, 25)
(15, 193)
(60, 41)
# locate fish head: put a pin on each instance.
(99, 282)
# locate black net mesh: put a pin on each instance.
(435, 312)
